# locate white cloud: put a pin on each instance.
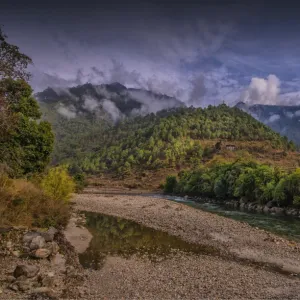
(262, 91)
(90, 103)
(112, 110)
(274, 118)
(68, 112)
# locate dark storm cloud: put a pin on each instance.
(199, 51)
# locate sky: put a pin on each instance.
(202, 52)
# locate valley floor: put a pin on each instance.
(251, 264)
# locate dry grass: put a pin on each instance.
(23, 203)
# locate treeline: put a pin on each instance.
(171, 138)
(31, 193)
(251, 181)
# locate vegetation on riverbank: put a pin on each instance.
(249, 180)
(30, 195)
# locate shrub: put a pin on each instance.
(80, 181)
(170, 185)
(23, 203)
(58, 184)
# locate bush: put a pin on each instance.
(80, 181)
(170, 185)
(23, 203)
(58, 184)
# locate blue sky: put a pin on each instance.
(199, 51)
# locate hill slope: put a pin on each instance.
(282, 119)
(82, 115)
(182, 137)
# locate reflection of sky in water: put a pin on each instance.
(284, 225)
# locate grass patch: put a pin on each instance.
(24, 203)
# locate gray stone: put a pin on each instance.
(270, 204)
(27, 238)
(24, 285)
(279, 211)
(37, 243)
(243, 200)
(45, 291)
(10, 279)
(48, 279)
(266, 210)
(16, 253)
(41, 253)
(9, 245)
(27, 271)
(53, 247)
(49, 234)
(14, 287)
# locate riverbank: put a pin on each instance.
(253, 263)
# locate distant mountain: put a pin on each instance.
(282, 119)
(108, 101)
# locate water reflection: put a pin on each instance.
(118, 236)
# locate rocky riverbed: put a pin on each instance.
(247, 263)
(251, 264)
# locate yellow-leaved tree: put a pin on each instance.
(58, 184)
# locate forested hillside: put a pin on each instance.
(175, 138)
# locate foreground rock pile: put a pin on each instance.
(36, 264)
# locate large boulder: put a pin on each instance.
(27, 238)
(26, 270)
(37, 243)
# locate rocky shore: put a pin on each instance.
(38, 264)
(270, 208)
(253, 263)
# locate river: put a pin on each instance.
(287, 226)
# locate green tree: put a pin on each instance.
(13, 63)
(26, 146)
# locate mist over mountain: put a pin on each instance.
(107, 101)
(282, 119)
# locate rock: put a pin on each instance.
(49, 234)
(292, 212)
(41, 253)
(48, 279)
(278, 211)
(10, 279)
(27, 238)
(259, 208)
(45, 291)
(14, 287)
(1, 291)
(27, 271)
(266, 210)
(243, 200)
(270, 204)
(9, 245)
(37, 243)
(24, 285)
(16, 253)
(53, 247)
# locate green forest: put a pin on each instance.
(242, 179)
(166, 139)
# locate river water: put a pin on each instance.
(287, 226)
